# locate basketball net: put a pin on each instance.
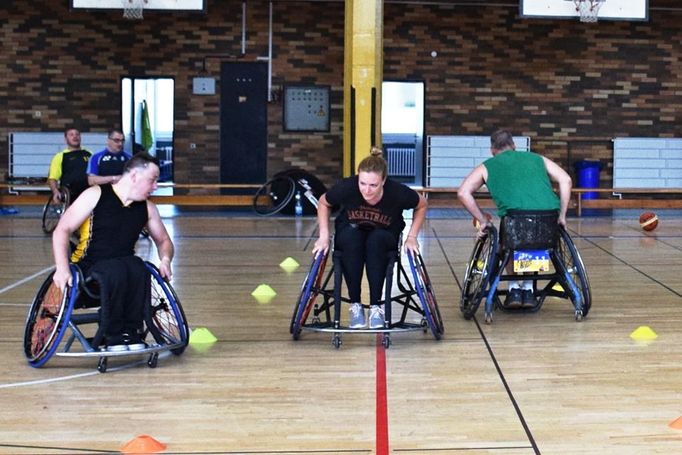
(588, 9)
(133, 9)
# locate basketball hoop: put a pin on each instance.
(588, 9)
(133, 9)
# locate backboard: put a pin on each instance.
(149, 5)
(618, 10)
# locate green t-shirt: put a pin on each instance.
(519, 181)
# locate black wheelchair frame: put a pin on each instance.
(54, 312)
(414, 298)
(486, 269)
(52, 211)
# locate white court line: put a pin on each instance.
(73, 376)
(28, 278)
(162, 355)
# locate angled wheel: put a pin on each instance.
(479, 272)
(48, 319)
(422, 283)
(309, 291)
(53, 211)
(167, 322)
(575, 269)
(274, 195)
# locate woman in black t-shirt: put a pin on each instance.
(368, 227)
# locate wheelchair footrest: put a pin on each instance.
(401, 327)
(104, 353)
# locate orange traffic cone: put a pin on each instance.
(143, 444)
(676, 424)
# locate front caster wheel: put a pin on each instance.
(336, 341)
(386, 341)
(102, 365)
(488, 318)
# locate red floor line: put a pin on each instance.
(382, 401)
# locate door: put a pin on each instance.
(243, 122)
(157, 95)
(402, 130)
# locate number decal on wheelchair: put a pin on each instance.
(531, 261)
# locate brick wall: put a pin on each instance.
(570, 86)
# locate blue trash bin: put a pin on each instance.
(588, 176)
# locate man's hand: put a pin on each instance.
(165, 269)
(62, 278)
(481, 233)
(56, 197)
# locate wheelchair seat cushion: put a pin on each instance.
(529, 229)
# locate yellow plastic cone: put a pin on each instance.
(143, 444)
(202, 335)
(557, 287)
(289, 264)
(264, 293)
(643, 333)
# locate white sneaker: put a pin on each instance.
(357, 316)
(376, 317)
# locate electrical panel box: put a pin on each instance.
(306, 108)
(203, 86)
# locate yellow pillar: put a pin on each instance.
(363, 74)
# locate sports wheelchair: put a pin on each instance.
(416, 299)
(54, 312)
(52, 211)
(532, 241)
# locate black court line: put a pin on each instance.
(462, 449)
(165, 452)
(447, 259)
(519, 413)
(632, 267)
(38, 449)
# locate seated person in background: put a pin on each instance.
(367, 228)
(107, 166)
(109, 219)
(517, 180)
(68, 167)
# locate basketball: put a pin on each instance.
(648, 221)
(488, 217)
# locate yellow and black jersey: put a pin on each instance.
(111, 230)
(68, 167)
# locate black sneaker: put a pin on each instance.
(528, 299)
(133, 341)
(514, 299)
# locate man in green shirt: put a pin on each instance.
(516, 180)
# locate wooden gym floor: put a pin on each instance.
(538, 383)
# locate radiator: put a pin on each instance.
(401, 159)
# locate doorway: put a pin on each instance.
(243, 122)
(402, 130)
(152, 98)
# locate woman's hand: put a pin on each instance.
(321, 245)
(411, 244)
